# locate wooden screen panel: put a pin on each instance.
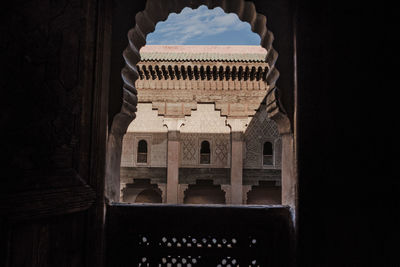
(190, 235)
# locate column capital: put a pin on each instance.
(238, 124)
(173, 124)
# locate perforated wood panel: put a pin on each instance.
(167, 235)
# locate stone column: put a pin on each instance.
(181, 194)
(121, 194)
(173, 150)
(246, 190)
(228, 195)
(238, 127)
(163, 188)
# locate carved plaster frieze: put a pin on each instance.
(208, 85)
(236, 109)
(254, 97)
(181, 103)
(205, 119)
(174, 109)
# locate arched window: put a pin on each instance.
(142, 152)
(205, 153)
(267, 154)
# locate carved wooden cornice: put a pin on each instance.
(205, 71)
(176, 89)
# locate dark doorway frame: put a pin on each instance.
(114, 108)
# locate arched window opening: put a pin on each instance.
(205, 153)
(267, 154)
(201, 60)
(142, 152)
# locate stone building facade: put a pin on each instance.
(191, 142)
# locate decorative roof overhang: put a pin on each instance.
(233, 78)
(196, 53)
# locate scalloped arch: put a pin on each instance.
(158, 10)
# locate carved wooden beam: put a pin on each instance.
(150, 70)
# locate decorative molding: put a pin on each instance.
(173, 124)
(172, 108)
(254, 175)
(208, 71)
(209, 85)
(189, 175)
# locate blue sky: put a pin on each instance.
(203, 26)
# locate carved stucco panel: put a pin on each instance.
(189, 149)
(147, 120)
(221, 150)
(260, 130)
(205, 123)
(205, 120)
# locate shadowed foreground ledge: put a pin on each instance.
(203, 235)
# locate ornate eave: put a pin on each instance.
(175, 87)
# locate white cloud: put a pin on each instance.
(199, 23)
